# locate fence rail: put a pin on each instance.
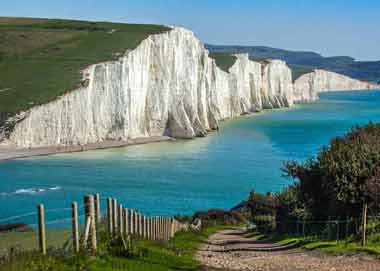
(331, 229)
(119, 221)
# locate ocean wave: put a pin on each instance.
(31, 191)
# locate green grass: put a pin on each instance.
(178, 254)
(341, 247)
(298, 71)
(224, 60)
(29, 240)
(41, 59)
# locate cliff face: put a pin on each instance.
(307, 87)
(166, 86)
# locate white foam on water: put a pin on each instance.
(31, 191)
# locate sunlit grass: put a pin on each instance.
(177, 254)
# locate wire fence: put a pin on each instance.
(76, 227)
(331, 229)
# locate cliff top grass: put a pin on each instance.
(299, 70)
(223, 60)
(41, 59)
(177, 254)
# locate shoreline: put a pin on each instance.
(8, 153)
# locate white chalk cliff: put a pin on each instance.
(307, 87)
(168, 85)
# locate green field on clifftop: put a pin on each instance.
(41, 59)
(224, 60)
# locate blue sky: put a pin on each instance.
(331, 27)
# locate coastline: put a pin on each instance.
(11, 153)
(8, 153)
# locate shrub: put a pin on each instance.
(219, 216)
(343, 176)
(265, 223)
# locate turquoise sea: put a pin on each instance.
(185, 176)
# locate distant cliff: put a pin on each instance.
(168, 85)
(307, 87)
(301, 62)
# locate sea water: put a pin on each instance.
(187, 175)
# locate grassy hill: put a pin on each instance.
(303, 62)
(223, 60)
(41, 59)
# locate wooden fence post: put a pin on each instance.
(158, 228)
(109, 216)
(115, 213)
(155, 228)
(97, 210)
(148, 228)
(75, 227)
(161, 228)
(165, 229)
(364, 237)
(126, 226)
(151, 228)
(137, 231)
(121, 220)
(132, 222)
(135, 222)
(164, 226)
(90, 213)
(42, 228)
(168, 228)
(141, 225)
(172, 227)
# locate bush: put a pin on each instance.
(219, 216)
(344, 175)
(265, 223)
(257, 204)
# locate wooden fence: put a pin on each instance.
(119, 221)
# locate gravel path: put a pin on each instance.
(230, 250)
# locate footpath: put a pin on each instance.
(231, 250)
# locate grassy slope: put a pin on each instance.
(299, 70)
(361, 70)
(343, 246)
(29, 240)
(41, 59)
(178, 254)
(223, 60)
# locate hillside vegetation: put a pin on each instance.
(41, 59)
(302, 62)
(177, 254)
(335, 196)
(223, 60)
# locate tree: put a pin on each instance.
(344, 175)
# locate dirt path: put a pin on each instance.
(230, 250)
